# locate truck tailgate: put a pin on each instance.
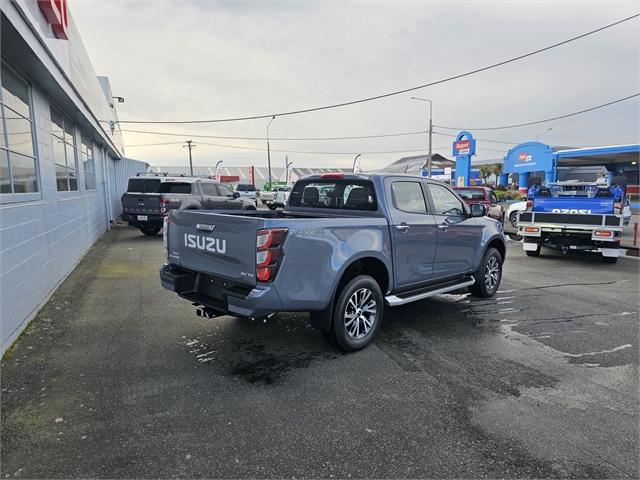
(216, 244)
(141, 203)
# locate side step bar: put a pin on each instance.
(394, 301)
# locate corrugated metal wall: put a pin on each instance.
(119, 173)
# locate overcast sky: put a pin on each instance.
(202, 59)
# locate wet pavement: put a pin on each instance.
(118, 378)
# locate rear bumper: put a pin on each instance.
(260, 301)
(152, 220)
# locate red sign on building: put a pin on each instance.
(55, 11)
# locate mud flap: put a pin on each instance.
(322, 320)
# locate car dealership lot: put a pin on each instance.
(118, 378)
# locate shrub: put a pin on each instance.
(501, 188)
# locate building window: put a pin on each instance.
(88, 163)
(64, 152)
(17, 156)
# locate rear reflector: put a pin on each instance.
(602, 233)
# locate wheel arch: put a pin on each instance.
(365, 264)
(498, 244)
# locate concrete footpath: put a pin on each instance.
(118, 378)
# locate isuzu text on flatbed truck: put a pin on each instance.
(575, 216)
(373, 240)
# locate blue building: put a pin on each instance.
(536, 157)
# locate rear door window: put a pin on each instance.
(175, 187)
(209, 189)
(408, 197)
(334, 194)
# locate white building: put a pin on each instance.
(61, 166)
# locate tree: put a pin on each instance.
(497, 169)
(485, 172)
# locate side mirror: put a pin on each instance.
(236, 195)
(478, 210)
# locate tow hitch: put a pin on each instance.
(206, 312)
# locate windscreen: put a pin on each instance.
(143, 185)
(470, 194)
(175, 187)
(334, 194)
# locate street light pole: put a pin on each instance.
(269, 150)
(354, 162)
(542, 133)
(430, 131)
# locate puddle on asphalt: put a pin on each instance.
(256, 359)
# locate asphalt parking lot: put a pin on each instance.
(118, 378)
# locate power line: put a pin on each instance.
(546, 119)
(398, 92)
(479, 139)
(152, 144)
(401, 134)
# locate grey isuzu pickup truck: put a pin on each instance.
(345, 246)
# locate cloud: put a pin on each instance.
(198, 60)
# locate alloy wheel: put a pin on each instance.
(360, 313)
(492, 273)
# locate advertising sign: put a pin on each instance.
(290, 174)
(463, 147)
(218, 171)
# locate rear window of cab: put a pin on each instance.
(334, 194)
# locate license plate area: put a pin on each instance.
(143, 217)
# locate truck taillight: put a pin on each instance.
(165, 242)
(164, 206)
(529, 204)
(268, 252)
(602, 233)
(617, 207)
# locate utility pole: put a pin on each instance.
(190, 145)
(430, 131)
(269, 150)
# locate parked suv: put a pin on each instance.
(247, 190)
(484, 196)
(373, 241)
(149, 199)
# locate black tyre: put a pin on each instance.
(357, 314)
(272, 207)
(534, 253)
(609, 259)
(513, 218)
(150, 231)
(488, 276)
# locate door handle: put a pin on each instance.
(403, 227)
(443, 227)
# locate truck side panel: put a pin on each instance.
(332, 244)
